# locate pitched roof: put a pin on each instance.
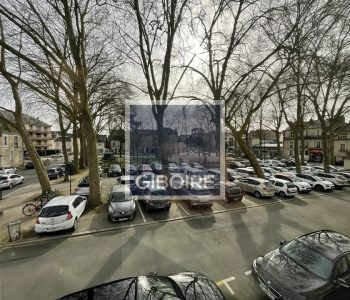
(27, 119)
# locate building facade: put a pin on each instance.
(313, 151)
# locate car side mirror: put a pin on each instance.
(282, 243)
(342, 282)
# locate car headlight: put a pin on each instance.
(110, 210)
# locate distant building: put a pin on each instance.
(11, 146)
(313, 142)
(101, 143)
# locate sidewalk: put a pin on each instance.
(12, 208)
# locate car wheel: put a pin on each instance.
(10, 186)
(298, 189)
(257, 194)
(282, 194)
(319, 188)
(75, 225)
(22, 181)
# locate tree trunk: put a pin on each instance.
(325, 151)
(75, 146)
(82, 138)
(161, 138)
(302, 146)
(64, 144)
(277, 136)
(247, 151)
(296, 151)
(331, 149)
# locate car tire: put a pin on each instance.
(257, 194)
(319, 188)
(298, 190)
(74, 227)
(282, 194)
(10, 186)
(22, 181)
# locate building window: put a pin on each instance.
(291, 152)
(307, 133)
(291, 145)
(342, 148)
(5, 140)
(318, 144)
(15, 142)
(292, 134)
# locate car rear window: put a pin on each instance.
(290, 185)
(3, 178)
(268, 184)
(83, 184)
(54, 211)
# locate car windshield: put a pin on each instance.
(268, 183)
(127, 181)
(308, 259)
(54, 211)
(291, 185)
(317, 178)
(119, 197)
(51, 171)
(203, 192)
(160, 193)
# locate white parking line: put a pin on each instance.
(248, 272)
(223, 208)
(225, 283)
(184, 210)
(143, 217)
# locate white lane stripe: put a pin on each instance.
(229, 288)
(248, 272)
(223, 208)
(185, 211)
(143, 217)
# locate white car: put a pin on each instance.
(284, 188)
(338, 180)
(302, 186)
(60, 213)
(8, 170)
(10, 180)
(83, 187)
(317, 183)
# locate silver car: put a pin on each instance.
(10, 180)
(122, 204)
(257, 186)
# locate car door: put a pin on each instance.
(78, 206)
(14, 179)
(341, 272)
(252, 184)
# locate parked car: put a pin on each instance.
(183, 165)
(60, 213)
(312, 266)
(83, 187)
(346, 175)
(29, 165)
(284, 188)
(233, 192)
(60, 168)
(317, 183)
(187, 285)
(8, 170)
(196, 166)
(232, 175)
(157, 168)
(144, 168)
(245, 172)
(57, 155)
(122, 204)
(302, 186)
(338, 180)
(130, 182)
(307, 169)
(114, 170)
(173, 168)
(199, 196)
(156, 199)
(53, 173)
(257, 186)
(10, 180)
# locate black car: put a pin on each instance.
(181, 286)
(29, 165)
(313, 266)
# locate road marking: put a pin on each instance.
(223, 208)
(225, 283)
(185, 210)
(248, 272)
(143, 217)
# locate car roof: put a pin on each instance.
(127, 177)
(257, 179)
(61, 200)
(121, 188)
(279, 180)
(330, 243)
(159, 188)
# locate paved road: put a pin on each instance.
(220, 245)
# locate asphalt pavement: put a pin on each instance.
(220, 243)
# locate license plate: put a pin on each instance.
(267, 292)
(123, 219)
